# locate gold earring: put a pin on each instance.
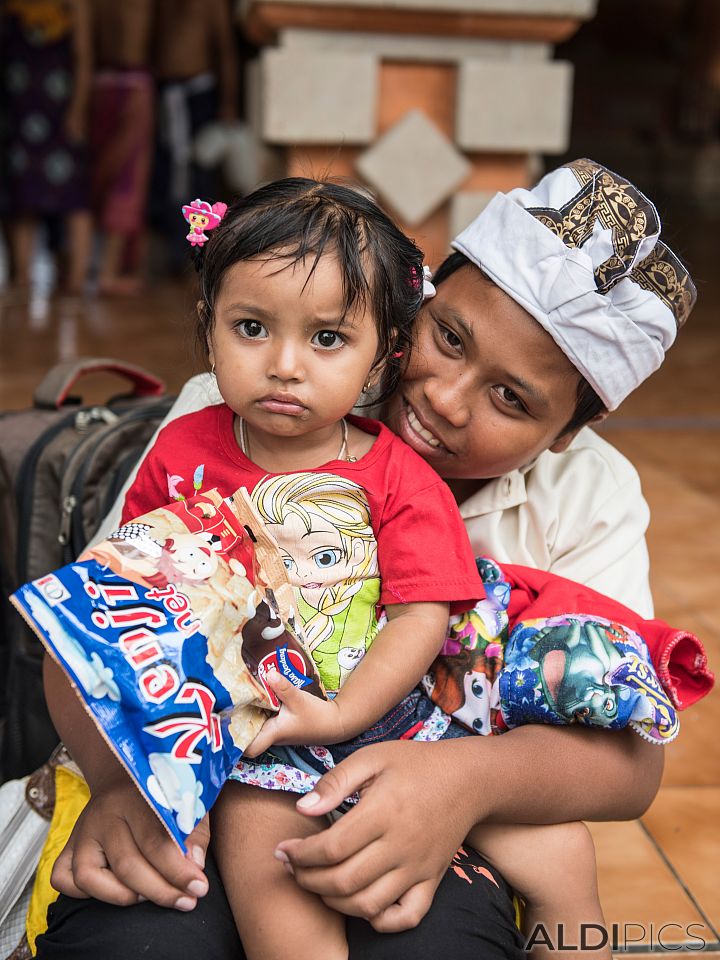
(212, 370)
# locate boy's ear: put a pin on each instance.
(564, 441)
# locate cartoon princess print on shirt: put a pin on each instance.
(321, 523)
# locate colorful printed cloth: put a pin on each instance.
(568, 668)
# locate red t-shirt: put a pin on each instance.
(423, 551)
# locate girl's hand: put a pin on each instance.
(120, 853)
(303, 718)
(384, 859)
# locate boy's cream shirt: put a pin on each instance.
(580, 514)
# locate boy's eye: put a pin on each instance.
(508, 397)
(326, 558)
(251, 329)
(449, 337)
(328, 339)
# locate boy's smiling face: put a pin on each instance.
(486, 389)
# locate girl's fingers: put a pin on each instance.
(262, 741)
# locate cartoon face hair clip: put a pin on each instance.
(201, 217)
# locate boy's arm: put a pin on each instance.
(399, 656)
(118, 851)
(384, 859)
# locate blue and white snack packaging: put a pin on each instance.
(166, 630)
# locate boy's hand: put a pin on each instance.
(303, 718)
(120, 853)
(384, 859)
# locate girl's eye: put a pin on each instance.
(508, 397)
(326, 558)
(289, 563)
(251, 329)
(328, 339)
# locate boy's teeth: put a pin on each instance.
(419, 428)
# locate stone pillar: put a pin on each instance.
(435, 104)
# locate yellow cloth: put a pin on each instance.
(71, 795)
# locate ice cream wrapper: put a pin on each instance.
(166, 630)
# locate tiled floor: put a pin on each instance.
(663, 870)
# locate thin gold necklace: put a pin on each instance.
(342, 453)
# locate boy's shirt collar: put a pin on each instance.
(503, 493)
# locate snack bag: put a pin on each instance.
(166, 630)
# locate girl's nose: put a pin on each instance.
(287, 362)
(448, 399)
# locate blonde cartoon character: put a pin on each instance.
(321, 523)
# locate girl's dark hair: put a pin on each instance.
(380, 267)
(587, 403)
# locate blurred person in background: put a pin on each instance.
(195, 66)
(46, 54)
(121, 137)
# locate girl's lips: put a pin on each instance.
(279, 405)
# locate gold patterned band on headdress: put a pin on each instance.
(617, 205)
(664, 275)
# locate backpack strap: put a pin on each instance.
(52, 392)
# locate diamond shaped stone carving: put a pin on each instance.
(414, 167)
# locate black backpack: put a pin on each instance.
(62, 465)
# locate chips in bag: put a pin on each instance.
(166, 630)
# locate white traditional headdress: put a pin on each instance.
(581, 253)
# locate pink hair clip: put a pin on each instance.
(201, 217)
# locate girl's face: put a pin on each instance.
(288, 359)
(486, 389)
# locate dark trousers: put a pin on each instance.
(471, 919)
